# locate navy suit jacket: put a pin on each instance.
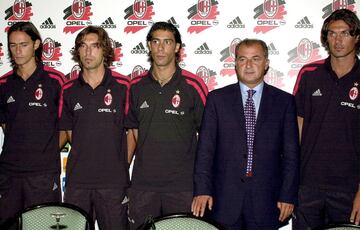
(222, 154)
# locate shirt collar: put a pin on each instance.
(174, 79)
(244, 88)
(105, 81)
(35, 75)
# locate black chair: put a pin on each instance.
(339, 226)
(181, 221)
(54, 216)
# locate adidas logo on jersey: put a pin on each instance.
(203, 49)
(77, 106)
(139, 49)
(304, 23)
(47, 24)
(317, 93)
(144, 105)
(125, 200)
(236, 23)
(108, 24)
(55, 186)
(10, 100)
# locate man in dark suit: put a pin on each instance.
(247, 163)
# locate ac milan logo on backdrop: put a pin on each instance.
(77, 16)
(269, 15)
(208, 76)
(228, 58)
(275, 78)
(203, 15)
(117, 54)
(19, 11)
(74, 72)
(51, 53)
(182, 57)
(138, 16)
(306, 51)
(137, 71)
(338, 4)
(1, 54)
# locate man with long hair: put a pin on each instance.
(29, 99)
(327, 98)
(92, 111)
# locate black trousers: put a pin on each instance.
(145, 204)
(19, 192)
(319, 207)
(107, 206)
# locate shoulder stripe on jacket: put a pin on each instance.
(309, 67)
(138, 78)
(55, 74)
(123, 80)
(197, 83)
(61, 102)
(6, 76)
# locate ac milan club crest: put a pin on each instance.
(77, 16)
(176, 100)
(203, 15)
(48, 48)
(269, 15)
(353, 93)
(336, 5)
(108, 99)
(139, 15)
(137, 71)
(208, 76)
(228, 57)
(21, 10)
(38, 94)
(75, 71)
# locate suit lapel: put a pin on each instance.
(265, 106)
(238, 107)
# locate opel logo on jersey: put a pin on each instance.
(38, 94)
(353, 93)
(108, 99)
(176, 100)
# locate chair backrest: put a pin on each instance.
(55, 216)
(340, 226)
(180, 222)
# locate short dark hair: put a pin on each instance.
(29, 29)
(349, 18)
(252, 41)
(104, 42)
(167, 26)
